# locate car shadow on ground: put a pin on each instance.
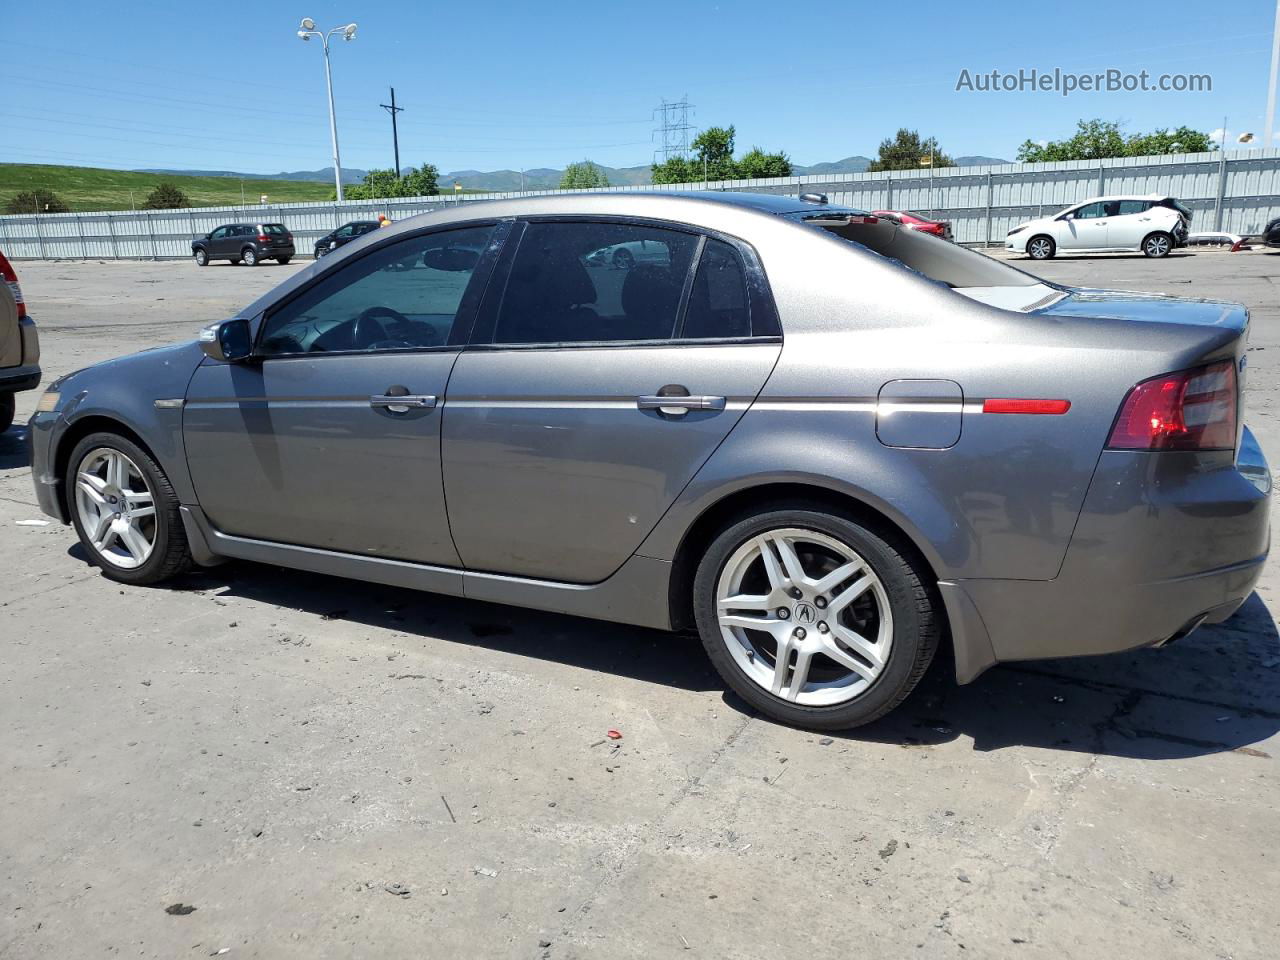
(13, 449)
(1215, 691)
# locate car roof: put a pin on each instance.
(1126, 196)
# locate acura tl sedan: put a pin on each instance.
(830, 444)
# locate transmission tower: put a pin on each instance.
(672, 134)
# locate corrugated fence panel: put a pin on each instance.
(982, 203)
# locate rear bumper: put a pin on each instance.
(269, 252)
(1164, 541)
(13, 379)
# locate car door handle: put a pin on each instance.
(393, 402)
(680, 403)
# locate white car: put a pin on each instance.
(1153, 224)
(624, 256)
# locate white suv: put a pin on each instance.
(1152, 224)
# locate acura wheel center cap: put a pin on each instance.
(805, 613)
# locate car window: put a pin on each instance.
(1090, 211)
(243, 231)
(402, 297)
(718, 305)
(593, 282)
(219, 233)
(1128, 207)
(344, 231)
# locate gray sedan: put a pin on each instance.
(829, 444)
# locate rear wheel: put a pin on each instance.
(1041, 248)
(814, 619)
(283, 260)
(202, 258)
(125, 511)
(249, 256)
(7, 407)
(1157, 245)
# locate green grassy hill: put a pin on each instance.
(85, 189)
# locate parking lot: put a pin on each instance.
(323, 768)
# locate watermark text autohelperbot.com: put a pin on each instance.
(1066, 83)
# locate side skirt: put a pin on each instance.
(636, 594)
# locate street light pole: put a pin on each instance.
(307, 30)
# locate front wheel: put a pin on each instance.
(249, 256)
(814, 619)
(125, 511)
(1157, 245)
(202, 258)
(1041, 248)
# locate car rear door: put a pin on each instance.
(330, 438)
(1131, 223)
(591, 395)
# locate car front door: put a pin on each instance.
(330, 438)
(1088, 227)
(591, 396)
(218, 243)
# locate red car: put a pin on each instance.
(913, 221)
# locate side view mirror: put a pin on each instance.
(227, 341)
(1068, 216)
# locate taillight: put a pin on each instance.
(263, 238)
(1190, 410)
(10, 277)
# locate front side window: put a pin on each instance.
(594, 282)
(405, 296)
(718, 305)
(1090, 211)
(219, 233)
(343, 232)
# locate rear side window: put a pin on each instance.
(1128, 207)
(594, 282)
(718, 304)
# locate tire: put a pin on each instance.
(283, 260)
(878, 573)
(8, 405)
(623, 260)
(202, 257)
(250, 256)
(1157, 245)
(1041, 247)
(169, 554)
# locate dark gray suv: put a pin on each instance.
(248, 243)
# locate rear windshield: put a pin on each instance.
(276, 228)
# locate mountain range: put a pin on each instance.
(543, 178)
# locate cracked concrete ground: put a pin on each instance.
(275, 749)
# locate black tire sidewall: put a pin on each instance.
(8, 407)
(166, 505)
(910, 643)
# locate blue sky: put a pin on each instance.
(510, 85)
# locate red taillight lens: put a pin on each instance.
(1191, 410)
(263, 238)
(9, 276)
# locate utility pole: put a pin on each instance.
(1271, 87)
(673, 128)
(392, 109)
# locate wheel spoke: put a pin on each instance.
(856, 642)
(790, 560)
(777, 579)
(109, 535)
(781, 667)
(848, 595)
(100, 530)
(837, 576)
(92, 486)
(140, 512)
(134, 541)
(747, 623)
(745, 602)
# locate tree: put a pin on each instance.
(420, 181)
(1100, 139)
(907, 151)
(166, 196)
(713, 160)
(583, 176)
(37, 201)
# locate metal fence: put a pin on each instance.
(1237, 191)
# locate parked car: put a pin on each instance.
(19, 344)
(1152, 224)
(344, 235)
(914, 221)
(624, 256)
(248, 243)
(1271, 235)
(829, 443)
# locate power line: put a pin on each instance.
(672, 134)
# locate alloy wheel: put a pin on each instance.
(1157, 246)
(1039, 249)
(117, 508)
(804, 616)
